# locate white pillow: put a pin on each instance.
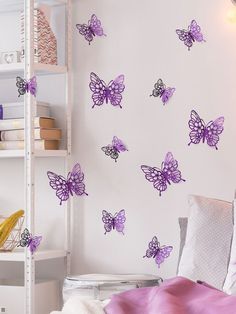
(230, 281)
(207, 248)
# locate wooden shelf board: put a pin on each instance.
(18, 255)
(13, 69)
(38, 153)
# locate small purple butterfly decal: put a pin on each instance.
(28, 240)
(66, 187)
(168, 173)
(103, 92)
(160, 253)
(25, 86)
(160, 90)
(114, 222)
(201, 131)
(94, 28)
(191, 35)
(115, 148)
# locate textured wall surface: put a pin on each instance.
(141, 43)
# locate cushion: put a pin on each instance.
(230, 281)
(208, 241)
(183, 224)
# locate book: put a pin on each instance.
(15, 124)
(39, 145)
(16, 110)
(39, 134)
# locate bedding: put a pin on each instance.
(230, 281)
(208, 241)
(183, 225)
(82, 305)
(175, 296)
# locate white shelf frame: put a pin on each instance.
(28, 69)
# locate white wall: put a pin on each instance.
(141, 43)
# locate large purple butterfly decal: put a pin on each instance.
(160, 253)
(114, 222)
(28, 240)
(25, 86)
(66, 187)
(201, 131)
(168, 173)
(191, 35)
(94, 28)
(160, 90)
(115, 148)
(103, 92)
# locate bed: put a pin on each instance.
(206, 270)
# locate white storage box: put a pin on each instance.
(16, 110)
(47, 296)
(102, 286)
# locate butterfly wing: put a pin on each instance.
(185, 36)
(98, 88)
(25, 238)
(32, 86)
(115, 88)
(197, 127)
(118, 144)
(111, 151)
(153, 247)
(75, 181)
(85, 30)
(167, 94)
(34, 243)
(195, 31)
(59, 184)
(155, 175)
(96, 26)
(162, 254)
(21, 84)
(170, 169)
(107, 219)
(119, 221)
(159, 88)
(213, 130)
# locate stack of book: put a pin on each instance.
(12, 133)
(45, 43)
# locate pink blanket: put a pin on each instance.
(175, 296)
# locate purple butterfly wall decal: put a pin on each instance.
(114, 222)
(25, 86)
(115, 148)
(168, 173)
(28, 240)
(160, 253)
(102, 92)
(94, 28)
(201, 131)
(66, 187)
(160, 90)
(191, 35)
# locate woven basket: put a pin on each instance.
(14, 237)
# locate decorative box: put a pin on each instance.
(10, 57)
(45, 43)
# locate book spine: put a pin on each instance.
(17, 135)
(5, 145)
(11, 124)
